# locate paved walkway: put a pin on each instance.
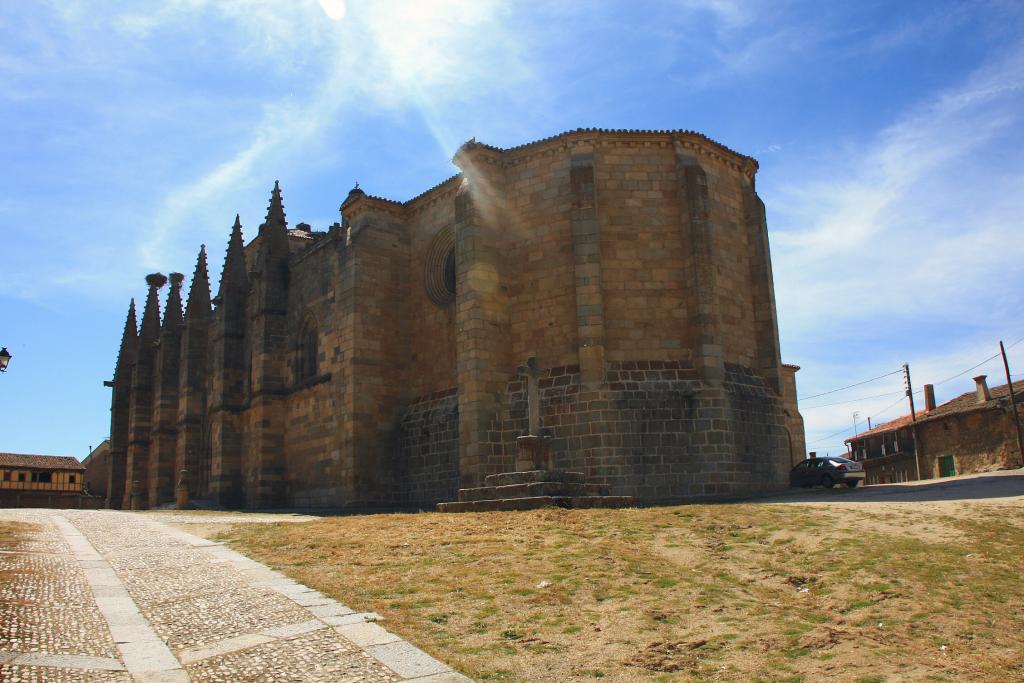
(115, 596)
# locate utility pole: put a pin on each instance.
(855, 416)
(913, 419)
(910, 391)
(1013, 402)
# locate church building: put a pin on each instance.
(375, 363)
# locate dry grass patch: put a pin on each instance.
(700, 592)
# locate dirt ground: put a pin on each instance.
(876, 584)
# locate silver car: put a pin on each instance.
(828, 472)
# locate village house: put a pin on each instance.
(974, 432)
(40, 481)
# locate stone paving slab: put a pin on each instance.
(156, 604)
(46, 605)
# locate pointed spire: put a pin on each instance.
(198, 305)
(234, 276)
(172, 311)
(151, 314)
(130, 336)
(275, 212)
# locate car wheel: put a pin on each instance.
(853, 484)
(827, 481)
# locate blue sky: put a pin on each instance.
(889, 137)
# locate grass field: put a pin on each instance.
(872, 592)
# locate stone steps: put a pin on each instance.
(535, 476)
(533, 490)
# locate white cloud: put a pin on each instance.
(334, 9)
(907, 213)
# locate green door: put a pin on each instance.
(947, 467)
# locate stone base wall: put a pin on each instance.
(428, 457)
(42, 499)
(330, 497)
(654, 431)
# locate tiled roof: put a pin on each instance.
(963, 403)
(47, 462)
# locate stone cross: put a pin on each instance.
(532, 371)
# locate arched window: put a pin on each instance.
(440, 270)
(306, 361)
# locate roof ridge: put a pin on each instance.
(614, 131)
(39, 460)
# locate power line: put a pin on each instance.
(975, 367)
(826, 438)
(883, 411)
(875, 414)
(852, 400)
(873, 379)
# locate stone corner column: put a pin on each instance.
(482, 319)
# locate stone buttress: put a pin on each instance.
(192, 447)
(263, 467)
(120, 402)
(141, 404)
(228, 375)
(164, 425)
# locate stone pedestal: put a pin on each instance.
(181, 492)
(136, 495)
(533, 453)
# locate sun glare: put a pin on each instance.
(334, 9)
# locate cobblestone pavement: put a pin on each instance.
(116, 596)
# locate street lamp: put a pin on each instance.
(5, 358)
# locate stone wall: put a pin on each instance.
(97, 470)
(59, 501)
(653, 430)
(643, 264)
(537, 244)
(428, 467)
(430, 341)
